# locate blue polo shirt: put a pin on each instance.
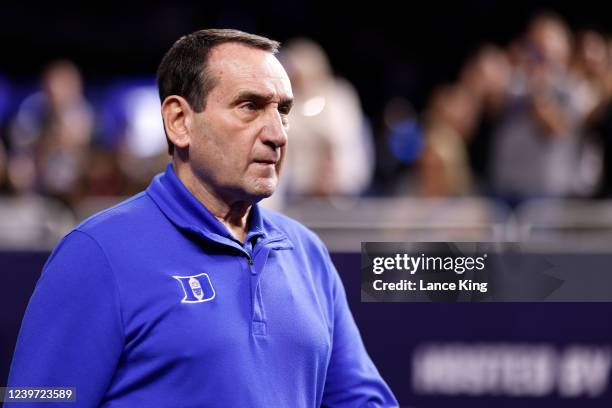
(153, 303)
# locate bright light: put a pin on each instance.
(313, 106)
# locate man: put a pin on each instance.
(189, 294)
(536, 146)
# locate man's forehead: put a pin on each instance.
(235, 62)
(239, 69)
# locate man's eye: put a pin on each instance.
(249, 106)
(284, 110)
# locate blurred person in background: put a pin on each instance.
(535, 150)
(50, 136)
(4, 102)
(103, 175)
(331, 150)
(593, 62)
(449, 124)
(399, 150)
(486, 75)
(3, 166)
(589, 66)
(142, 152)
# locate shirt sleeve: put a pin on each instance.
(352, 379)
(72, 331)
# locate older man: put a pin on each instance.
(189, 294)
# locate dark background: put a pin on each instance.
(385, 48)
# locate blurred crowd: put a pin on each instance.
(532, 118)
(56, 144)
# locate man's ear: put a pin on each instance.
(178, 120)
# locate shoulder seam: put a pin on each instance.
(100, 213)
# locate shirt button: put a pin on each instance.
(259, 328)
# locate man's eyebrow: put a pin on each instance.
(260, 98)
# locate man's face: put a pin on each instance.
(239, 139)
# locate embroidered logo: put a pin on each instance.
(197, 288)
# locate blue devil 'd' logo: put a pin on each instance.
(197, 288)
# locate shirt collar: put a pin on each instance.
(186, 212)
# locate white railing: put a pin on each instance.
(562, 225)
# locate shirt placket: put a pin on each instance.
(256, 267)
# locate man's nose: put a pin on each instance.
(274, 130)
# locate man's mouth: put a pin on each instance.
(266, 161)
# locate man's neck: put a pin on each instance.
(233, 214)
(235, 219)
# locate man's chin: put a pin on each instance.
(262, 194)
(262, 189)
